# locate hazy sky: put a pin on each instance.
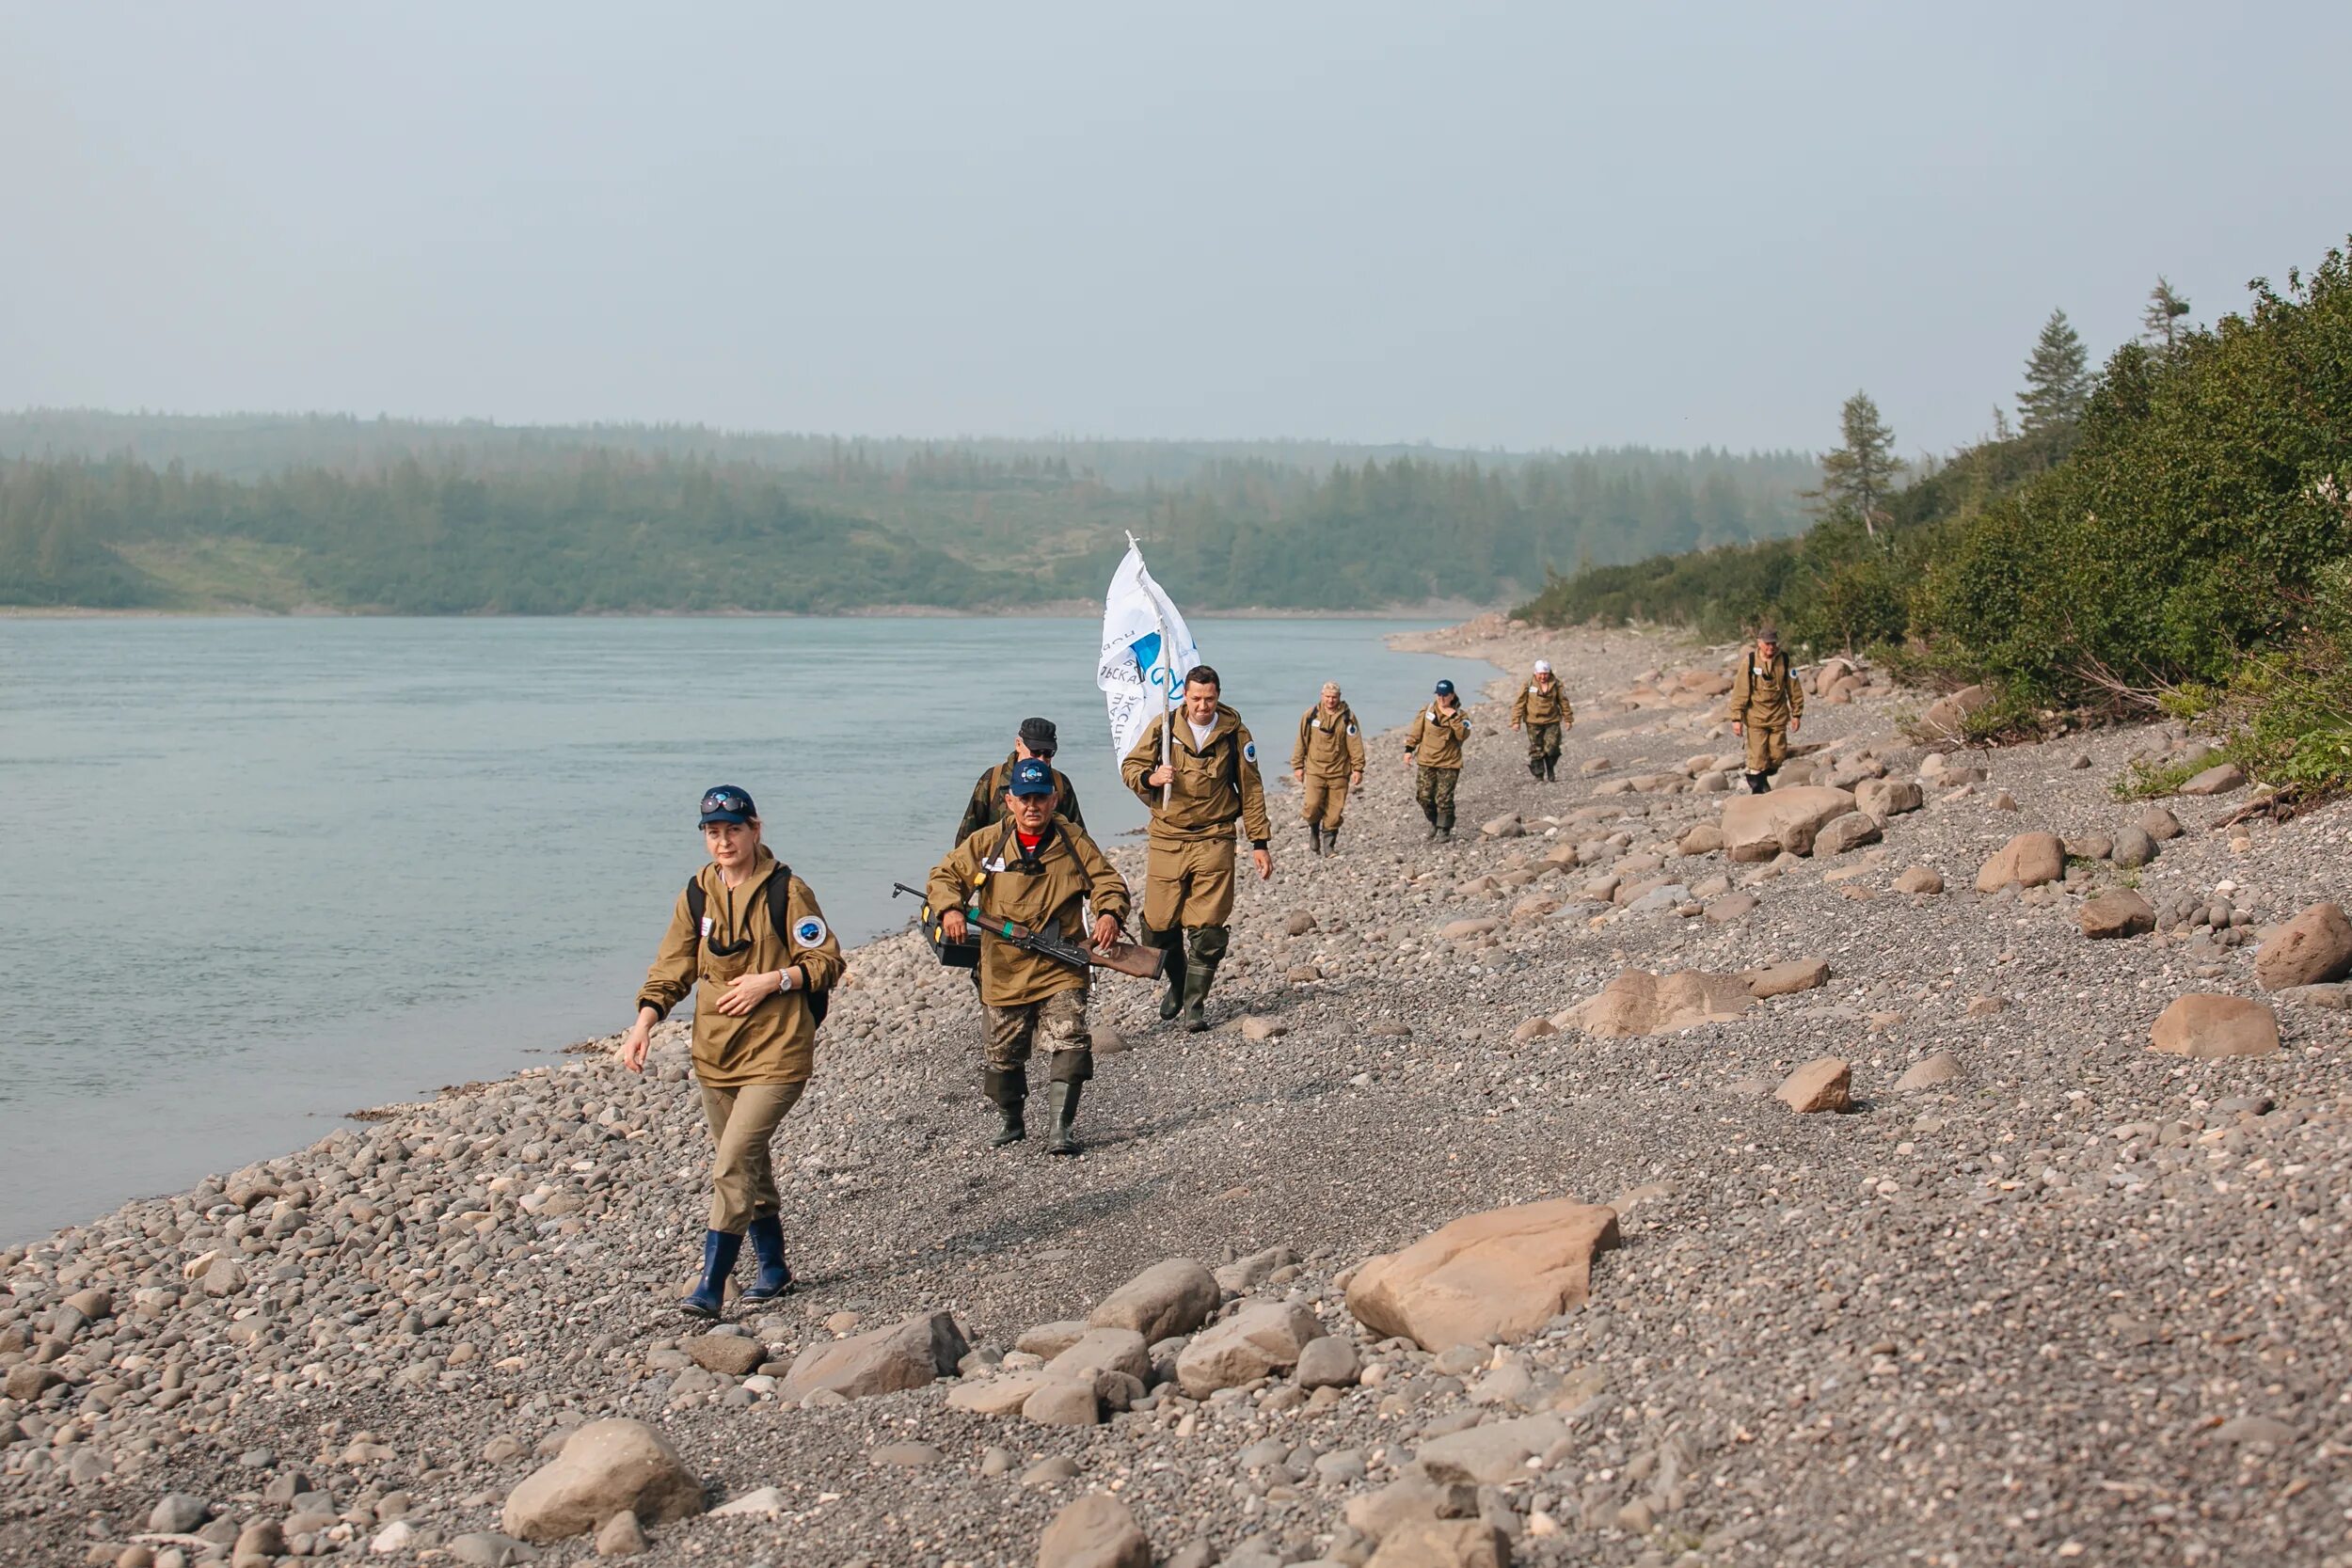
(1518, 225)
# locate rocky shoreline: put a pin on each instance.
(1916, 1248)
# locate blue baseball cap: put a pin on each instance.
(1445, 689)
(1031, 777)
(727, 803)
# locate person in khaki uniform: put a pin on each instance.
(1040, 869)
(1037, 737)
(1211, 782)
(1767, 707)
(1326, 764)
(1542, 707)
(1434, 745)
(758, 975)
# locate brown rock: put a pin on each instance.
(731, 1353)
(2218, 780)
(2030, 859)
(1498, 1276)
(621, 1536)
(607, 1467)
(1263, 1336)
(1051, 1340)
(1982, 1006)
(2312, 948)
(1095, 1531)
(1443, 1543)
(1534, 1029)
(1257, 1028)
(1703, 839)
(1783, 979)
(2117, 913)
(1885, 797)
(1850, 831)
(1947, 717)
(2160, 824)
(1639, 1002)
(1060, 1402)
(1462, 930)
(2207, 1026)
(1825, 1083)
(1164, 1300)
(1757, 827)
(1921, 879)
(1730, 906)
(1928, 1072)
(908, 1354)
(1115, 1350)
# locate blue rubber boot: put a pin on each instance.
(776, 1277)
(709, 1298)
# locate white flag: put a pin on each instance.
(1147, 651)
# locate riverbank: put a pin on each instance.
(2055, 1295)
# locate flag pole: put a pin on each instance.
(1168, 671)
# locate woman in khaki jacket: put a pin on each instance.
(758, 958)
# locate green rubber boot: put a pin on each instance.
(1063, 1100)
(1199, 977)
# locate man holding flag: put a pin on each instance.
(1198, 774)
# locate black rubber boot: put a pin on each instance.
(1759, 784)
(1199, 977)
(1551, 769)
(1172, 943)
(1446, 827)
(1314, 837)
(1063, 1098)
(1430, 811)
(775, 1275)
(709, 1299)
(1330, 841)
(1536, 768)
(1010, 1092)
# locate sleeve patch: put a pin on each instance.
(809, 931)
(1250, 753)
(1351, 729)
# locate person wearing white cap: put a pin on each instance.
(1543, 710)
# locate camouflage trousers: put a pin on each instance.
(1434, 790)
(1058, 1024)
(1543, 743)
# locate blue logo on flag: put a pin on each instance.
(1147, 651)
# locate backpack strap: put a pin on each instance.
(779, 915)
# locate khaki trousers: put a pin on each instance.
(1768, 746)
(742, 1178)
(1188, 883)
(1325, 802)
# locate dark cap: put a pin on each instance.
(1445, 689)
(1767, 634)
(727, 803)
(1038, 736)
(1031, 777)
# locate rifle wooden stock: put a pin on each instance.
(1124, 957)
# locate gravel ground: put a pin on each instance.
(2080, 1302)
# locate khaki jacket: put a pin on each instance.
(1214, 784)
(1765, 692)
(776, 1041)
(987, 806)
(1068, 873)
(1329, 745)
(1540, 704)
(1437, 736)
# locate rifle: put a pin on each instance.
(1126, 957)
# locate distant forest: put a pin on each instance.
(111, 511)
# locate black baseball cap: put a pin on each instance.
(1445, 689)
(727, 803)
(1039, 736)
(1030, 776)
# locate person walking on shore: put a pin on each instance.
(1767, 707)
(1040, 870)
(1326, 763)
(1035, 738)
(1434, 745)
(1542, 708)
(1209, 783)
(746, 937)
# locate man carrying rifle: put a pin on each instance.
(1039, 870)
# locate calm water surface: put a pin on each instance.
(255, 874)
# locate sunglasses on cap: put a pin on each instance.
(725, 805)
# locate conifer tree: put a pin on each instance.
(2159, 324)
(1857, 476)
(2057, 379)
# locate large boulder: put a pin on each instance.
(1096, 1531)
(1164, 1300)
(2030, 859)
(2311, 949)
(2208, 1025)
(1948, 717)
(606, 1468)
(909, 1355)
(2218, 780)
(1111, 1350)
(1758, 827)
(1824, 1083)
(1850, 831)
(1443, 1543)
(1885, 797)
(1497, 1276)
(1491, 1454)
(2117, 913)
(1639, 1002)
(1785, 979)
(1263, 1336)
